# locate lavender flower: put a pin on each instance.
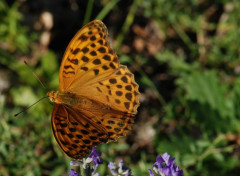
(95, 158)
(150, 172)
(119, 170)
(113, 168)
(165, 166)
(73, 173)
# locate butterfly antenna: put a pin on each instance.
(25, 62)
(15, 115)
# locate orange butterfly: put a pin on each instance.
(98, 97)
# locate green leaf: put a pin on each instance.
(206, 89)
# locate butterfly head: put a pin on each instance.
(53, 96)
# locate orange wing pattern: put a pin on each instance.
(88, 57)
(90, 69)
(116, 123)
(118, 91)
(74, 132)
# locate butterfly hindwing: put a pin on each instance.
(74, 132)
(116, 123)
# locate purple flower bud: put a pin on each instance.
(165, 165)
(150, 172)
(95, 156)
(113, 168)
(73, 173)
(119, 170)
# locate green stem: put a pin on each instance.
(211, 148)
(88, 12)
(106, 9)
(127, 24)
(183, 35)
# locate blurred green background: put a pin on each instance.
(185, 55)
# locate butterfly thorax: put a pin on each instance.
(68, 99)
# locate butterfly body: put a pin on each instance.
(75, 101)
(98, 97)
(68, 98)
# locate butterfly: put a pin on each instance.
(98, 97)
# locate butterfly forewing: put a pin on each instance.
(118, 91)
(88, 57)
